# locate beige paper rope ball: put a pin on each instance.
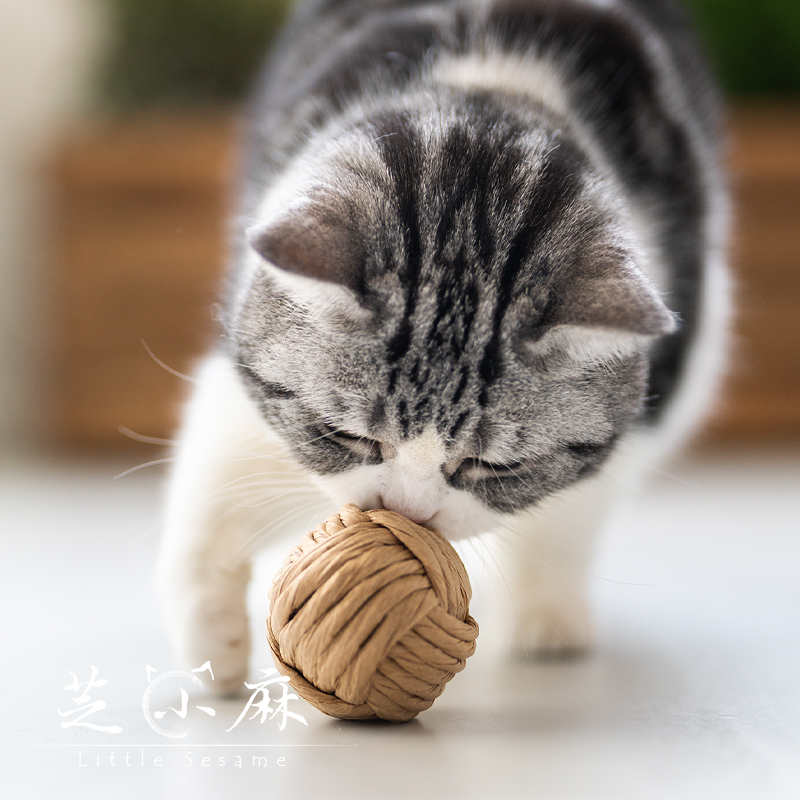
(369, 616)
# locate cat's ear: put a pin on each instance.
(609, 313)
(313, 242)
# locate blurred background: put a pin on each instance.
(117, 156)
(118, 129)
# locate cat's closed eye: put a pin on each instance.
(369, 450)
(479, 469)
(590, 449)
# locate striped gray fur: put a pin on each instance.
(464, 225)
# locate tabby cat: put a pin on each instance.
(477, 278)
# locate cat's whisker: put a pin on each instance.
(140, 437)
(566, 567)
(235, 509)
(264, 479)
(164, 366)
(295, 510)
(271, 499)
(483, 479)
(252, 455)
(253, 497)
(143, 466)
(255, 456)
(508, 591)
(473, 544)
(258, 489)
(248, 477)
(267, 518)
(322, 436)
(313, 519)
(254, 511)
(671, 476)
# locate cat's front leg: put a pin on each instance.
(223, 477)
(551, 550)
(204, 595)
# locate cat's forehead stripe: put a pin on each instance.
(490, 205)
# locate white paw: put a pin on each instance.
(208, 622)
(222, 636)
(556, 630)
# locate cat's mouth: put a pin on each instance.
(455, 514)
(420, 514)
(456, 524)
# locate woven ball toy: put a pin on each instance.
(369, 616)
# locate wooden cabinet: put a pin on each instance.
(142, 208)
(762, 396)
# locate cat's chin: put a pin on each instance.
(463, 517)
(457, 514)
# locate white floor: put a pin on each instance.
(693, 693)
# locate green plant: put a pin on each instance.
(754, 44)
(191, 51)
(187, 51)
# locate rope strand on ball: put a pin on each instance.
(369, 616)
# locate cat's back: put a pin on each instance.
(625, 77)
(630, 70)
(334, 48)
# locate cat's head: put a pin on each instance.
(444, 314)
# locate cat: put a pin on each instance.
(478, 277)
